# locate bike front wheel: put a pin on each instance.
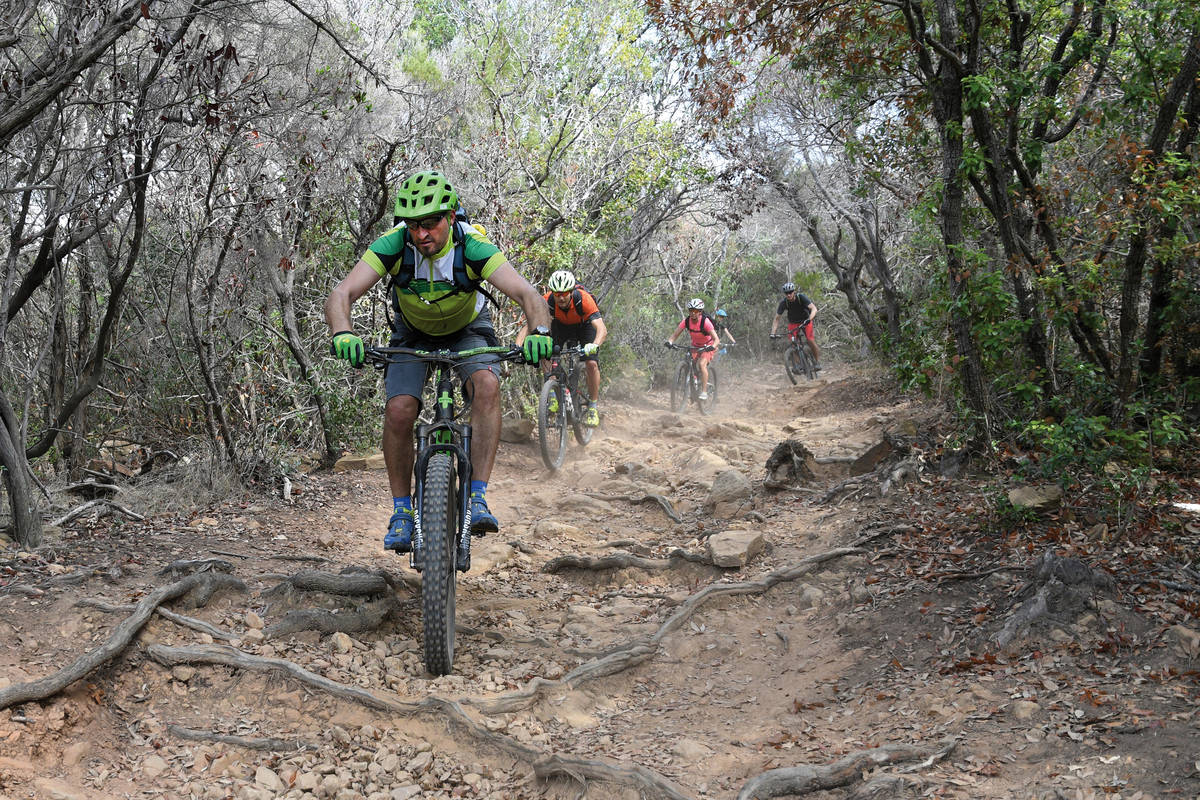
(705, 405)
(792, 363)
(681, 389)
(583, 432)
(439, 527)
(552, 425)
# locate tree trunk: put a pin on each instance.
(1135, 259)
(948, 109)
(27, 522)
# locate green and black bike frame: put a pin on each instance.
(444, 435)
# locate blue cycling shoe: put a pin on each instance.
(482, 520)
(400, 531)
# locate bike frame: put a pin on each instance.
(444, 434)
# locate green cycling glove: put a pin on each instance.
(536, 347)
(590, 349)
(346, 345)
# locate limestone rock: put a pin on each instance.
(354, 462)
(734, 548)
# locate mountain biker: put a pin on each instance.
(800, 312)
(430, 255)
(722, 320)
(575, 317)
(703, 333)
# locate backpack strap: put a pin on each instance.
(463, 282)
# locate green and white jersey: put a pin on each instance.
(430, 302)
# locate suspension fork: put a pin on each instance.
(444, 435)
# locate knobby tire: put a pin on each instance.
(704, 406)
(583, 432)
(808, 364)
(552, 427)
(439, 526)
(791, 363)
(681, 389)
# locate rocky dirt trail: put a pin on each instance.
(601, 651)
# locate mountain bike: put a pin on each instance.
(797, 358)
(686, 387)
(441, 492)
(564, 391)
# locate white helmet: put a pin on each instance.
(696, 303)
(561, 281)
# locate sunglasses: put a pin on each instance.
(425, 223)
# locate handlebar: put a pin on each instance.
(380, 357)
(708, 348)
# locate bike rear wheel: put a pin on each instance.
(808, 365)
(583, 433)
(552, 425)
(712, 385)
(439, 526)
(681, 389)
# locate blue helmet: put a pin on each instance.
(721, 312)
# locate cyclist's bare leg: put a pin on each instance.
(593, 379)
(485, 422)
(816, 351)
(398, 419)
(703, 374)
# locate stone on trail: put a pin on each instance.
(354, 462)
(516, 431)
(734, 548)
(730, 486)
(1036, 498)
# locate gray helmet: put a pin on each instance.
(788, 287)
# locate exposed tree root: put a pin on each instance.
(623, 561)
(788, 465)
(107, 506)
(663, 502)
(122, 635)
(357, 583)
(644, 649)
(275, 745)
(451, 710)
(804, 779)
(366, 617)
(1060, 585)
(207, 585)
(178, 619)
(647, 781)
(188, 567)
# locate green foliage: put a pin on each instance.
(418, 62)
(434, 23)
(1092, 444)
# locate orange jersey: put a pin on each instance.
(581, 309)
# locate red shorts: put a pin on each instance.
(794, 327)
(705, 357)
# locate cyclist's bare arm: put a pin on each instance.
(775, 324)
(601, 331)
(346, 293)
(513, 284)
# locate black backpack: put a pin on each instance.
(704, 315)
(463, 282)
(576, 300)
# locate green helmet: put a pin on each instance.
(423, 194)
